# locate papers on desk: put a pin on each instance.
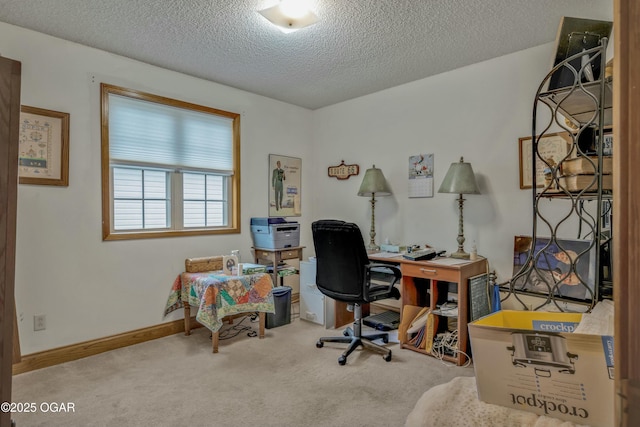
(449, 261)
(441, 261)
(386, 255)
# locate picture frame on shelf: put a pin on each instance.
(576, 35)
(554, 146)
(285, 182)
(43, 156)
(607, 142)
(564, 267)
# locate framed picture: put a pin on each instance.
(607, 143)
(285, 178)
(43, 157)
(554, 146)
(577, 35)
(421, 175)
(562, 267)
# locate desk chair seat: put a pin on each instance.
(343, 272)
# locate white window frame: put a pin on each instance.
(176, 228)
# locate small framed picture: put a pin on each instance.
(43, 156)
(607, 143)
(229, 263)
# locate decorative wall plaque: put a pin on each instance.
(343, 171)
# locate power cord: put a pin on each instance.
(295, 311)
(446, 344)
(228, 332)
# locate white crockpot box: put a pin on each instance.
(533, 361)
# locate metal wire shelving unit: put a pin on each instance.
(567, 257)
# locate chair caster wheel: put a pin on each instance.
(342, 360)
(387, 357)
(319, 344)
(345, 333)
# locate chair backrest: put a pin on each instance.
(341, 258)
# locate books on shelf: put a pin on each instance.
(448, 309)
(585, 182)
(583, 165)
(283, 270)
(249, 268)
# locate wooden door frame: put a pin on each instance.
(626, 244)
(10, 72)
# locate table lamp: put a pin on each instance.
(460, 180)
(373, 184)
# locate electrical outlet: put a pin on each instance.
(39, 322)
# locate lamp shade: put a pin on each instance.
(459, 179)
(374, 183)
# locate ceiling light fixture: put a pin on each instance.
(290, 15)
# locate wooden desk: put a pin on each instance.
(425, 292)
(273, 257)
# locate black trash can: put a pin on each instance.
(282, 303)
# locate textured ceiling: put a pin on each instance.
(358, 46)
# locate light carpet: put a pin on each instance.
(281, 380)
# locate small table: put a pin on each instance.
(274, 256)
(218, 296)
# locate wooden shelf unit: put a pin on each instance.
(420, 288)
(274, 257)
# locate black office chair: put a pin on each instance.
(343, 272)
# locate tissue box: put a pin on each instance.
(392, 248)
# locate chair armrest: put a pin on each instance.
(377, 291)
(397, 274)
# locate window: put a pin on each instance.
(169, 168)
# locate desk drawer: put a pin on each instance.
(284, 254)
(430, 272)
(290, 254)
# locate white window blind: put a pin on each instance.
(151, 133)
(204, 200)
(140, 199)
(172, 167)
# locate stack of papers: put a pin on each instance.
(249, 268)
(387, 255)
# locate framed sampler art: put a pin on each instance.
(43, 157)
(552, 147)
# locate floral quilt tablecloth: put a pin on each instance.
(217, 295)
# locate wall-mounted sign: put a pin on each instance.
(343, 171)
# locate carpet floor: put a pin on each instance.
(282, 380)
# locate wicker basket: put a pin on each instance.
(198, 265)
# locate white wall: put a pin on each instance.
(478, 112)
(88, 288)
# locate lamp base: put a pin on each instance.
(460, 255)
